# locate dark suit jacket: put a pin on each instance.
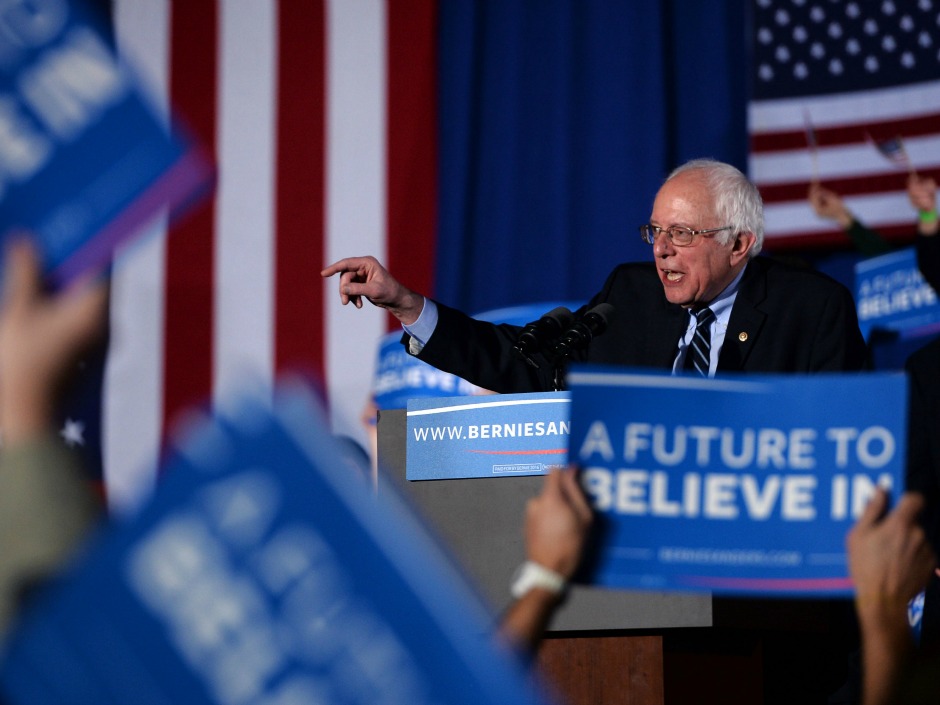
(784, 319)
(923, 439)
(923, 467)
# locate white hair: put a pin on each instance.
(737, 201)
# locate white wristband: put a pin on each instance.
(532, 575)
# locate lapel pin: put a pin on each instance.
(742, 337)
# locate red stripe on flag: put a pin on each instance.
(412, 144)
(300, 173)
(768, 142)
(188, 322)
(854, 186)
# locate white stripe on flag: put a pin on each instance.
(840, 161)
(878, 105)
(356, 196)
(244, 255)
(131, 404)
(796, 217)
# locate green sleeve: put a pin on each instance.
(47, 507)
(866, 241)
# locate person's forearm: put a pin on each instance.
(526, 619)
(25, 411)
(887, 648)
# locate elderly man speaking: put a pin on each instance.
(705, 304)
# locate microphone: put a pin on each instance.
(583, 331)
(539, 334)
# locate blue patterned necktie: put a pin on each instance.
(698, 355)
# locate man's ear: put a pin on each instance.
(741, 246)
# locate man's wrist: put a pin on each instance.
(412, 304)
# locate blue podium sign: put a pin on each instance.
(84, 163)
(265, 570)
(891, 294)
(500, 435)
(733, 485)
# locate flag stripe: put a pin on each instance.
(300, 187)
(843, 134)
(190, 264)
(412, 143)
(881, 209)
(857, 185)
(132, 410)
(244, 235)
(835, 237)
(840, 162)
(356, 166)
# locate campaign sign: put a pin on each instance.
(733, 485)
(264, 571)
(400, 377)
(891, 294)
(84, 163)
(502, 435)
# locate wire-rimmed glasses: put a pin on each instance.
(678, 235)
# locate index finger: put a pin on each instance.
(344, 265)
(909, 506)
(875, 508)
(21, 275)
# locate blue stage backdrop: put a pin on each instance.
(558, 121)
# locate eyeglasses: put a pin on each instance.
(678, 235)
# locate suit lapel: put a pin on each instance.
(747, 321)
(669, 327)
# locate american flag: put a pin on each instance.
(319, 114)
(860, 74)
(892, 150)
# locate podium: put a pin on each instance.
(616, 646)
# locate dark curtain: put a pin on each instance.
(558, 121)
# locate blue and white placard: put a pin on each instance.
(891, 294)
(265, 570)
(503, 435)
(84, 161)
(733, 485)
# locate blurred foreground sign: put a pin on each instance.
(733, 485)
(264, 571)
(84, 161)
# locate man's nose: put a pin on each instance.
(662, 245)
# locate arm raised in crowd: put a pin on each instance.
(890, 561)
(557, 523)
(46, 503)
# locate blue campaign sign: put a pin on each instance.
(502, 435)
(265, 570)
(891, 294)
(400, 377)
(733, 485)
(84, 162)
